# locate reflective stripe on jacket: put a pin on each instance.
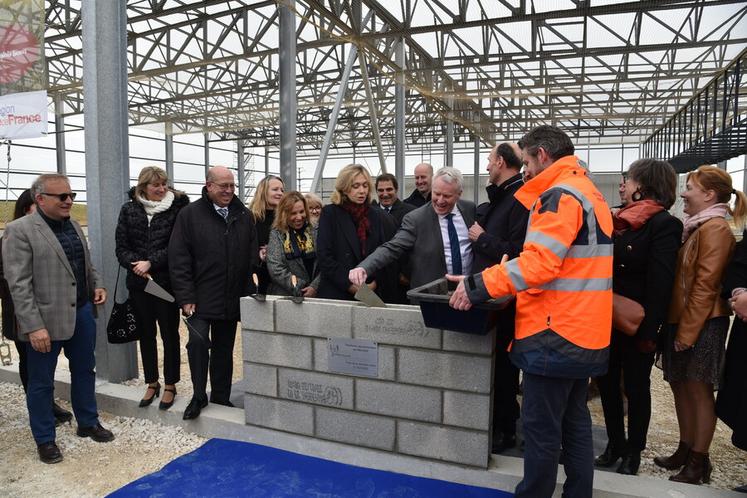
(562, 279)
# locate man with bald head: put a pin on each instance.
(500, 229)
(422, 193)
(211, 253)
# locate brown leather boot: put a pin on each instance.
(675, 460)
(697, 469)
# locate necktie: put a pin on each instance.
(456, 254)
(388, 209)
(223, 212)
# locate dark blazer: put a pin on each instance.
(398, 210)
(339, 250)
(504, 220)
(40, 278)
(731, 404)
(644, 264)
(420, 236)
(210, 259)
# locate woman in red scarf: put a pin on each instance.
(693, 357)
(646, 241)
(349, 230)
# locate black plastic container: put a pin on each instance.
(433, 299)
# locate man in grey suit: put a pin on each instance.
(436, 236)
(54, 290)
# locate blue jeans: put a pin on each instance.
(554, 414)
(79, 350)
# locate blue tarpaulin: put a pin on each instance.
(233, 468)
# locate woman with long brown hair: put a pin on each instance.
(694, 354)
(291, 250)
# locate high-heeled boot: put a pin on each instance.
(675, 460)
(697, 469)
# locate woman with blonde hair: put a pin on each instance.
(267, 196)
(291, 251)
(142, 238)
(694, 354)
(349, 230)
(315, 207)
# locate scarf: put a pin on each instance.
(359, 212)
(693, 222)
(299, 243)
(635, 215)
(152, 208)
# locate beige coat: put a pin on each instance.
(696, 295)
(40, 278)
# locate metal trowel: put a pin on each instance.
(369, 297)
(259, 297)
(154, 289)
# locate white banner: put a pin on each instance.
(23, 115)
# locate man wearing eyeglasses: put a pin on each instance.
(54, 289)
(211, 253)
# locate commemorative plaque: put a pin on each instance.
(353, 357)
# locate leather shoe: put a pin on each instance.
(629, 464)
(61, 415)
(504, 442)
(194, 408)
(224, 403)
(49, 452)
(97, 433)
(741, 489)
(610, 456)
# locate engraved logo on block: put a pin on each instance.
(311, 392)
(389, 326)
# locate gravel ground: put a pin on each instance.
(142, 446)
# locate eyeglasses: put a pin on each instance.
(225, 186)
(315, 209)
(62, 197)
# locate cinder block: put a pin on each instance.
(355, 428)
(446, 370)
(387, 398)
(279, 414)
(320, 389)
(467, 410)
(261, 379)
(442, 443)
(401, 326)
(277, 349)
(386, 359)
(256, 315)
(469, 343)
(316, 318)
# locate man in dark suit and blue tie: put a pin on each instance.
(436, 236)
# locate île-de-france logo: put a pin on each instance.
(19, 50)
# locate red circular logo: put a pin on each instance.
(19, 50)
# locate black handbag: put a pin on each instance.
(123, 325)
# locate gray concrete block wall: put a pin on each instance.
(431, 398)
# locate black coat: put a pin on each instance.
(139, 241)
(264, 227)
(416, 199)
(9, 318)
(644, 264)
(339, 251)
(504, 220)
(398, 210)
(731, 403)
(210, 258)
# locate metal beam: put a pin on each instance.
(287, 77)
(169, 146)
(399, 116)
(241, 164)
(372, 110)
(107, 161)
(59, 134)
(476, 172)
(206, 150)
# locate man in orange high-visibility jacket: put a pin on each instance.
(562, 281)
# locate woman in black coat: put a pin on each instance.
(142, 236)
(646, 241)
(267, 196)
(731, 403)
(350, 230)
